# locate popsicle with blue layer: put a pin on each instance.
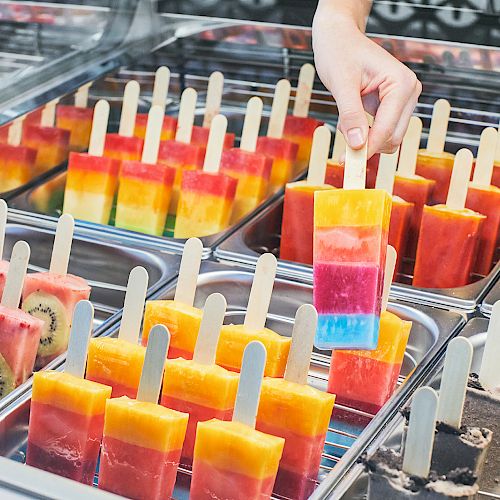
(123, 145)
(198, 386)
(179, 315)
(118, 362)
(351, 228)
(206, 196)
(232, 460)
(67, 411)
(92, 179)
(145, 187)
(298, 413)
(142, 440)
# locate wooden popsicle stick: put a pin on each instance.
(154, 364)
(185, 119)
(409, 148)
(497, 153)
(355, 168)
(215, 144)
(439, 126)
(319, 156)
(78, 344)
(459, 183)
(420, 435)
(82, 95)
(48, 117)
(214, 97)
(299, 357)
(15, 133)
(61, 249)
(485, 158)
(129, 109)
(386, 171)
(339, 146)
(279, 109)
(99, 128)
(15, 276)
(160, 87)
(250, 384)
(304, 90)
(153, 135)
(3, 224)
(454, 382)
(370, 119)
(188, 271)
(251, 125)
(489, 374)
(208, 334)
(390, 265)
(133, 307)
(260, 294)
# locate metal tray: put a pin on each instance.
(353, 485)
(263, 234)
(350, 429)
(490, 299)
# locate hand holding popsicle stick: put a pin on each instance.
(81, 328)
(251, 125)
(82, 95)
(304, 90)
(319, 156)
(485, 160)
(186, 115)
(188, 271)
(129, 109)
(214, 97)
(489, 375)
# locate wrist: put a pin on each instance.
(343, 13)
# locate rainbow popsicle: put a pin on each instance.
(351, 228)
(207, 196)
(232, 460)
(92, 179)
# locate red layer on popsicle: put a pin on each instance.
(123, 148)
(209, 183)
(84, 161)
(238, 160)
(144, 171)
(398, 228)
(277, 148)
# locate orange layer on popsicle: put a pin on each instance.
(437, 167)
(78, 121)
(17, 166)
(167, 131)
(51, 144)
(123, 148)
(300, 130)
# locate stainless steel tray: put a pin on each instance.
(263, 233)
(490, 299)
(353, 485)
(350, 430)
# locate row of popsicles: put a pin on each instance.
(37, 332)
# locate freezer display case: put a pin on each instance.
(490, 300)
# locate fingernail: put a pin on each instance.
(355, 137)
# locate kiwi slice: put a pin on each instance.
(55, 333)
(6, 378)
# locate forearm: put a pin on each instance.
(356, 11)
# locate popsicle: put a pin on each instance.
(350, 370)
(334, 169)
(178, 315)
(411, 187)
(123, 145)
(4, 265)
(434, 162)
(448, 234)
(234, 338)
(351, 227)
(92, 179)
(118, 362)
(298, 209)
(159, 98)
(207, 196)
(51, 143)
(296, 412)
(77, 119)
(484, 198)
(252, 170)
(232, 460)
(142, 440)
(145, 186)
(199, 135)
(19, 332)
(180, 153)
(299, 127)
(282, 151)
(67, 411)
(17, 163)
(401, 210)
(200, 387)
(52, 296)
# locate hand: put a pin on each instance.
(361, 75)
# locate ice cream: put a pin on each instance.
(232, 460)
(448, 235)
(118, 362)
(145, 186)
(67, 411)
(252, 170)
(298, 209)
(52, 296)
(234, 338)
(92, 179)
(200, 387)
(206, 196)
